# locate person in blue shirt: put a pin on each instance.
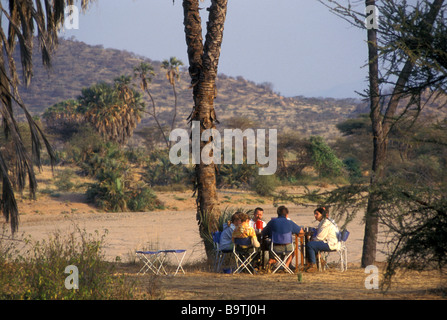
(226, 243)
(281, 225)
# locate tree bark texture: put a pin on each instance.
(203, 63)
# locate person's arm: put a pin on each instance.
(296, 229)
(266, 231)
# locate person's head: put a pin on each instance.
(282, 211)
(321, 213)
(257, 215)
(235, 219)
(243, 217)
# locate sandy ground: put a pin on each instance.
(176, 228)
(173, 228)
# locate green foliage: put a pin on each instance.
(265, 185)
(109, 193)
(235, 176)
(142, 198)
(40, 274)
(63, 180)
(357, 125)
(293, 156)
(63, 119)
(353, 167)
(113, 110)
(161, 172)
(415, 218)
(325, 162)
(116, 191)
(82, 147)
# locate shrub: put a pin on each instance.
(63, 180)
(41, 274)
(265, 185)
(353, 166)
(143, 199)
(325, 162)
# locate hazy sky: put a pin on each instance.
(297, 45)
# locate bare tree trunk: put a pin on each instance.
(371, 218)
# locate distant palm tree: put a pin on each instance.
(145, 73)
(114, 111)
(24, 18)
(172, 74)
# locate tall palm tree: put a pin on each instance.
(144, 72)
(24, 19)
(172, 74)
(203, 62)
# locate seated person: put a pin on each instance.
(325, 238)
(282, 225)
(244, 230)
(226, 241)
(257, 216)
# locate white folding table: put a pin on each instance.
(155, 261)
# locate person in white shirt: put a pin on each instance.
(325, 238)
(257, 215)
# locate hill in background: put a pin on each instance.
(77, 65)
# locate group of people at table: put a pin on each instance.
(323, 238)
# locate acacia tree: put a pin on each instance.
(203, 62)
(405, 41)
(24, 19)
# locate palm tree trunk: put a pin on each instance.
(203, 60)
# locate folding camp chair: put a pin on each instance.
(243, 252)
(219, 253)
(342, 253)
(282, 255)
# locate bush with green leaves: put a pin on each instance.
(161, 172)
(235, 175)
(39, 274)
(63, 180)
(115, 189)
(353, 166)
(325, 161)
(265, 185)
(142, 198)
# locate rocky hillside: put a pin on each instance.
(77, 65)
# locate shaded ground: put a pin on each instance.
(328, 285)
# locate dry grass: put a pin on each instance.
(200, 284)
(329, 285)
